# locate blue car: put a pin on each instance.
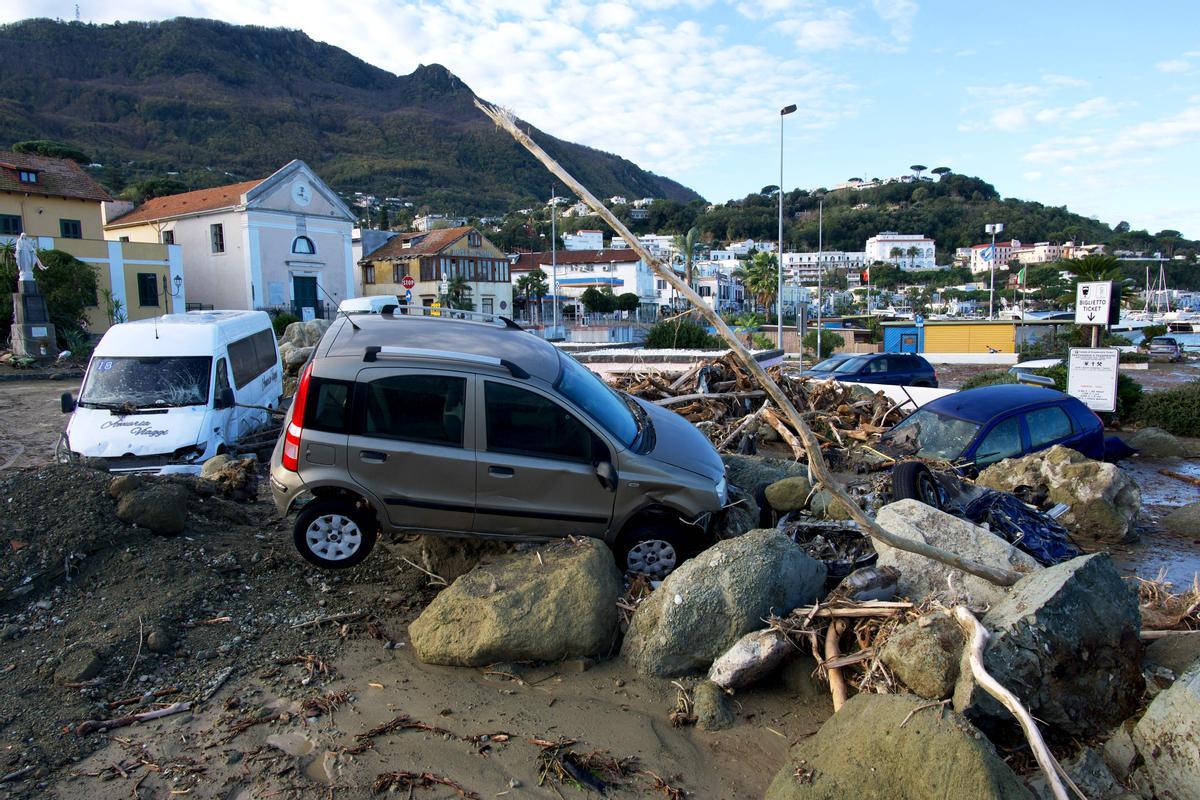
(978, 427)
(896, 369)
(825, 369)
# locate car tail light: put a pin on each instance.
(291, 438)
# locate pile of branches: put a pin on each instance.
(724, 401)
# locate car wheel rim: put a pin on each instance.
(333, 537)
(653, 557)
(929, 492)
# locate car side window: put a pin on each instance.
(525, 423)
(878, 365)
(416, 408)
(1004, 441)
(1047, 425)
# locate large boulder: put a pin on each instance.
(750, 472)
(712, 600)
(740, 514)
(712, 707)
(1157, 443)
(294, 357)
(1089, 772)
(160, 507)
(1178, 653)
(920, 577)
(305, 334)
(925, 654)
(1168, 739)
(1065, 641)
(1102, 499)
(520, 607)
(824, 505)
(789, 494)
(863, 752)
(1183, 521)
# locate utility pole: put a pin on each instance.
(783, 112)
(993, 229)
(554, 258)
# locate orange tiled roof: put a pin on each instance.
(417, 243)
(57, 177)
(178, 205)
(528, 261)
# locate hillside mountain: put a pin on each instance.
(218, 102)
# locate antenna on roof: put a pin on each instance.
(338, 307)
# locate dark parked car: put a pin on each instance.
(1165, 347)
(897, 369)
(978, 427)
(825, 368)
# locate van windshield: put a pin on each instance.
(158, 381)
(583, 388)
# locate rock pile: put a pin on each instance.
(299, 341)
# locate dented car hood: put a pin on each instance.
(681, 444)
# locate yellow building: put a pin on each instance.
(55, 202)
(427, 256)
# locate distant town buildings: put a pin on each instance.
(584, 240)
(909, 251)
(805, 267)
(570, 273)
(429, 222)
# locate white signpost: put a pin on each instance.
(1092, 300)
(1092, 376)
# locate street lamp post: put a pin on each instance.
(554, 260)
(993, 229)
(820, 265)
(783, 112)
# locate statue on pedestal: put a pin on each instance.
(32, 333)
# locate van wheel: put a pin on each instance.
(912, 480)
(334, 534)
(654, 549)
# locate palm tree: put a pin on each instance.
(896, 253)
(760, 277)
(912, 252)
(1098, 268)
(687, 246)
(458, 294)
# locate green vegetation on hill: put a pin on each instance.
(207, 103)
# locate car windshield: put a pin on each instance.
(147, 381)
(829, 364)
(851, 365)
(583, 388)
(928, 434)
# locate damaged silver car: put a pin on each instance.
(474, 427)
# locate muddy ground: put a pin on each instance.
(1157, 375)
(99, 619)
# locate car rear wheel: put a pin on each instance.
(912, 480)
(654, 550)
(334, 534)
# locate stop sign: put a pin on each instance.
(407, 282)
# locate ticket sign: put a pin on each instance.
(1092, 376)
(1092, 302)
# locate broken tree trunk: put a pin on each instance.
(816, 461)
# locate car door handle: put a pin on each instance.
(501, 472)
(372, 456)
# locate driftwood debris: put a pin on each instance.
(95, 725)
(977, 638)
(746, 361)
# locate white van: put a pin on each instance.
(369, 305)
(166, 394)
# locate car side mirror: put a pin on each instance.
(68, 403)
(225, 398)
(607, 475)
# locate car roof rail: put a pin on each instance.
(375, 352)
(427, 312)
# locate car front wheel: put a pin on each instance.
(912, 480)
(654, 550)
(334, 534)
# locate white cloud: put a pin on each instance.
(899, 15)
(1052, 79)
(613, 15)
(1135, 141)
(1174, 65)
(1032, 175)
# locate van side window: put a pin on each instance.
(252, 356)
(416, 408)
(329, 405)
(524, 423)
(222, 378)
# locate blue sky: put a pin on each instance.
(1069, 102)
